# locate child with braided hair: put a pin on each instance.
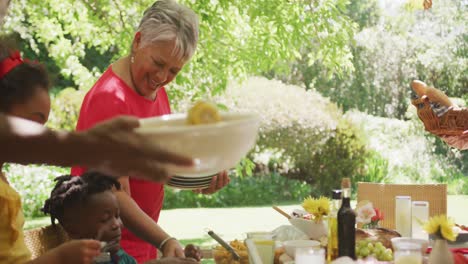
(87, 209)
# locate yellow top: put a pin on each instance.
(12, 247)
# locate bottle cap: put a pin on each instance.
(336, 194)
(346, 183)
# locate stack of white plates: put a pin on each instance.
(190, 183)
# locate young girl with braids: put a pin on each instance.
(87, 209)
(24, 93)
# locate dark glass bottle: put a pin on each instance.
(346, 223)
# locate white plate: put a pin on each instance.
(193, 179)
(189, 183)
(190, 179)
(214, 147)
(188, 187)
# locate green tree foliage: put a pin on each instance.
(404, 45)
(364, 13)
(237, 38)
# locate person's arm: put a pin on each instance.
(140, 224)
(112, 147)
(75, 251)
(460, 142)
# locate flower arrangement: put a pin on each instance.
(368, 215)
(441, 227)
(317, 207)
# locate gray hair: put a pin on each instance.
(167, 20)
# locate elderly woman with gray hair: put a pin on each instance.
(134, 85)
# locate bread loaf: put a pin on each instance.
(437, 96)
(434, 95)
(419, 87)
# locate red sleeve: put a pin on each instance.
(97, 108)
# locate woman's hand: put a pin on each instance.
(217, 183)
(172, 248)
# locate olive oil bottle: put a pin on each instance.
(332, 246)
(346, 223)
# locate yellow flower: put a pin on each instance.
(324, 205)
(317, 207)
(441, 226)
(309, 205)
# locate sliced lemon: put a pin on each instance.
(203, 113)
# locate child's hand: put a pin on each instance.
(78, 251)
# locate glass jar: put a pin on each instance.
(104, 257)
(407, 253)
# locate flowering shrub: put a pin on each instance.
(65, 107)
(301, 131)
(407, 152)
(403, 45)
(34, 184)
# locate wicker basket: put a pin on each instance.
(452, 123)
(43, 239)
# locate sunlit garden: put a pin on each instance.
(330, 80)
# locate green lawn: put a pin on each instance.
(457, 206)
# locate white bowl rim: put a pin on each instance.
(245, 118)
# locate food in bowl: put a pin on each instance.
(222, 256)
(290, 246)
(192, 251)
(203, 113)
(215, 147)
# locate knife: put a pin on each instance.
(223, 243)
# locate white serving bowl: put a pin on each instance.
(309, 227)
(290, 246)
(214, 147)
